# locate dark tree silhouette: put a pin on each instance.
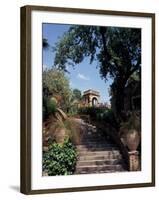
(45, 43)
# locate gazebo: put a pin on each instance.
(91, 98)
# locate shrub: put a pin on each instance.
(49, 107)
(60, 159)
(73, 129)
(95, 113)
(134, 122)
(56, 83)
(109, 117)
(73, 110)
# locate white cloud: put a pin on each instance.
(72, 84)
(83, 77)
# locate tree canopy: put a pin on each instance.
(45, 43)
(56, 84)
(77, 94)
(116, 50)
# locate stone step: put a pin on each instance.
(95, 145)
(89, 133)
(99, 153)
(101, 171)
(93, 135)
(97, 168)
(95, 149)
(96, 141)
(99, 162)
(99, 157)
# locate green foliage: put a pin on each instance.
(133, 122)
(96, 113)
(45, 43)
(116, 50)
(60, 159)
(74, 101)
(104, 115)
(109, 117)
(56, 84)
(77, 94)
(73, 110)
(75, 44)
(73, 130)
(123, 52)
(49, 107)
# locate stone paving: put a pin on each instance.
(96, 154)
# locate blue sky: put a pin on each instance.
(85, 75)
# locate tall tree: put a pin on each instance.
(56, 84)
(77, 94)
(117, 50)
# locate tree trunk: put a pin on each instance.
(119, 99)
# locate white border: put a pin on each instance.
(39, 182)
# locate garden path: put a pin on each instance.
(96, 153)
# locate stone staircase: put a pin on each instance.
(98, 154)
